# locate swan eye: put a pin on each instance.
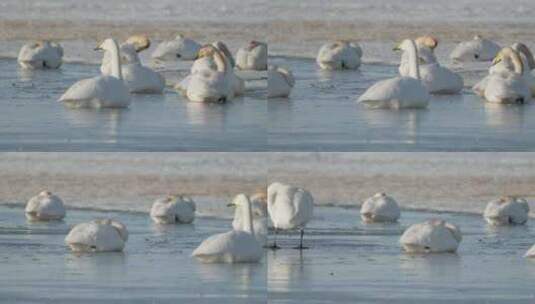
(178, 56)
(476, 56)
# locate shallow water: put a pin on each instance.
(155, 267)
(322, 115)
(350, 262)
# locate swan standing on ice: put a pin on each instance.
(399, 92)
(173, 209)
(236, 246)
(259, 213)
(433, 236)
(212, 85)
(478, 49)
(289, 208)
(41, 55)
(138, 78)
(507, 211)
(436, 78)
(97, 236)
(280, 82)
(506, 86)
(180, 48)
(104, 91)
(207, 63)
(530, 253)
(380, 208)
(339, 55)
(252, 57)
(45, 207)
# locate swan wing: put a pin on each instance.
(399, 92)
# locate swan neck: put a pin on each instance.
(115, 61)
(517, 63)
(248, 216)
(413, 60)
(220, 62)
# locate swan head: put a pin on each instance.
(106, 45)
(239, 200)
(206, 51)
(140, 42)
(428, 41)
(509, 55)
(405, 45)
(222, 47)
(254, 44)
(45, 193)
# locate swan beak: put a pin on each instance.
(421, 61)
(231, 205)
(496, 60)
(396, 48)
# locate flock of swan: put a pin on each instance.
(287, 207)
(213, 75)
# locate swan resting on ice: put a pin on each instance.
(477, 49)
(181, 48)
(280, 82)
(289, 208)
(173, 209)
(399, 92)
(97, 236)
(380, 208)
(40, 55)
(259, 213)
(339, 55)
(507, 210)
(432, 236)
(45, 207)
(103, 91)
(235, 246)
(252, 57)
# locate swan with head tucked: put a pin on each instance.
(507, 211)
(173, 209)
(432, 236)
(399, 92)
(436, 78)
(181, 48)
(252, 57)
(45, 207)
(103, 91)
(477, 49)
(138, 78)
(208, 63)
(209, 85)
(97, 236)
(41, 55)
(235, 246)
(280, 82)
(259, 213)
(380, 208)
(339, 55)
(289, 208)
(505, 85)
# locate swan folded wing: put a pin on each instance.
(399, 92)
(229, 247)
(209, 86)
(303, 206)
(100, 91)
(278, 85)
(141, 79)
(479, 88)
(440, 80)
(507, 89)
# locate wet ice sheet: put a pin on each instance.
(155, 267)
(322, 115)
(351, 262)
(32, 119)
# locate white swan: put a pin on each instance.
(173, 209)
(236, 246)
(506, 86)
(425, 46)
(280, 82)
(104, 91)
(507, 211)
(41, 55)
(212, 85)
(380, 208)
(339, 55)
(45, 207)
(208, 63)
(399, 92)
(432, 236)
(138, 78)
(252, 57)
(477, 49)
(530, 253)
(259, 213)
(97, 236)
(289, 208)
(180, 48)
(436, 78)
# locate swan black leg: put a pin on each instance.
(301, 247)
(275, 246)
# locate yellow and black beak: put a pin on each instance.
(397, 48)
(231, 205)
(496, 60)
